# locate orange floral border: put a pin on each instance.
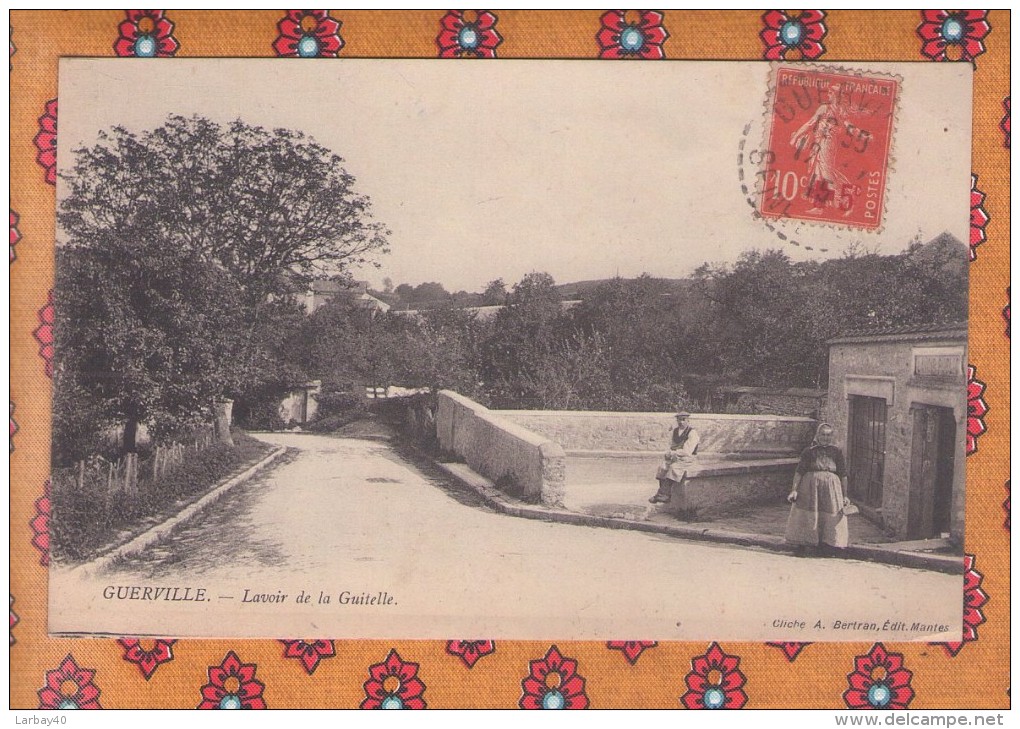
(187, 673)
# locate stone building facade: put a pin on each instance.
(898, 401)
(301, 404)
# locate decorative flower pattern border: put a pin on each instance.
(747, 675)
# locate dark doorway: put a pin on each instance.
(932, 461)
(866, 446)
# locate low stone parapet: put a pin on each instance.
(521, 463)
(714, 486)
(736, 436)
(721, 488)
(453, 421)
(742, 460)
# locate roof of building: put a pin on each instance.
(322, 285)
(327, 286)
(906, 332)
(484, 313)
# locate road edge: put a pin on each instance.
(157, 532)
(497, 500)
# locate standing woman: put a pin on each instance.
(818, 496)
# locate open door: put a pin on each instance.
(933, 459)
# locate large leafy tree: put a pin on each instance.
(768, 319)
(262, 204)
(642, 322)
(347, 345)
(142, 336)
(179, 250)
(522, 336)
(495, 293)
(761, 307)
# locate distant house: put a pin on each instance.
(322, 291)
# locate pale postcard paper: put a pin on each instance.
(585, 170)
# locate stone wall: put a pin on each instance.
(885, 369)
(743, 459)
(718, 491)
(521, 463)
(730, 436)
(301, 405)
(713, 486)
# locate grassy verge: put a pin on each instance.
(86, 524)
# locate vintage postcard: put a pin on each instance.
(540, 350)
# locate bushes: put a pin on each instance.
(338, 398)
(259, 408)
(340, 403)
(84, 522)
(414, 416)
(334, 422)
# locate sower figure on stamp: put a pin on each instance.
(828, 186)
(818, 497)
(683, 449)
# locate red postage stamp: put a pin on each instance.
(827, 149)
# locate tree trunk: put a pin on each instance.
(224, 410)
(130, 435)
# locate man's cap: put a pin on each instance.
(683, 414)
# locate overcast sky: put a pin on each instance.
(583, 169)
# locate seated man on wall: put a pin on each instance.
(682, 452)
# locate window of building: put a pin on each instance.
(866, 446)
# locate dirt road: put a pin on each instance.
(402, 552)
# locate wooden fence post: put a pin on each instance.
(81, 475)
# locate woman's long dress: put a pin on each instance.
(817, 517)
